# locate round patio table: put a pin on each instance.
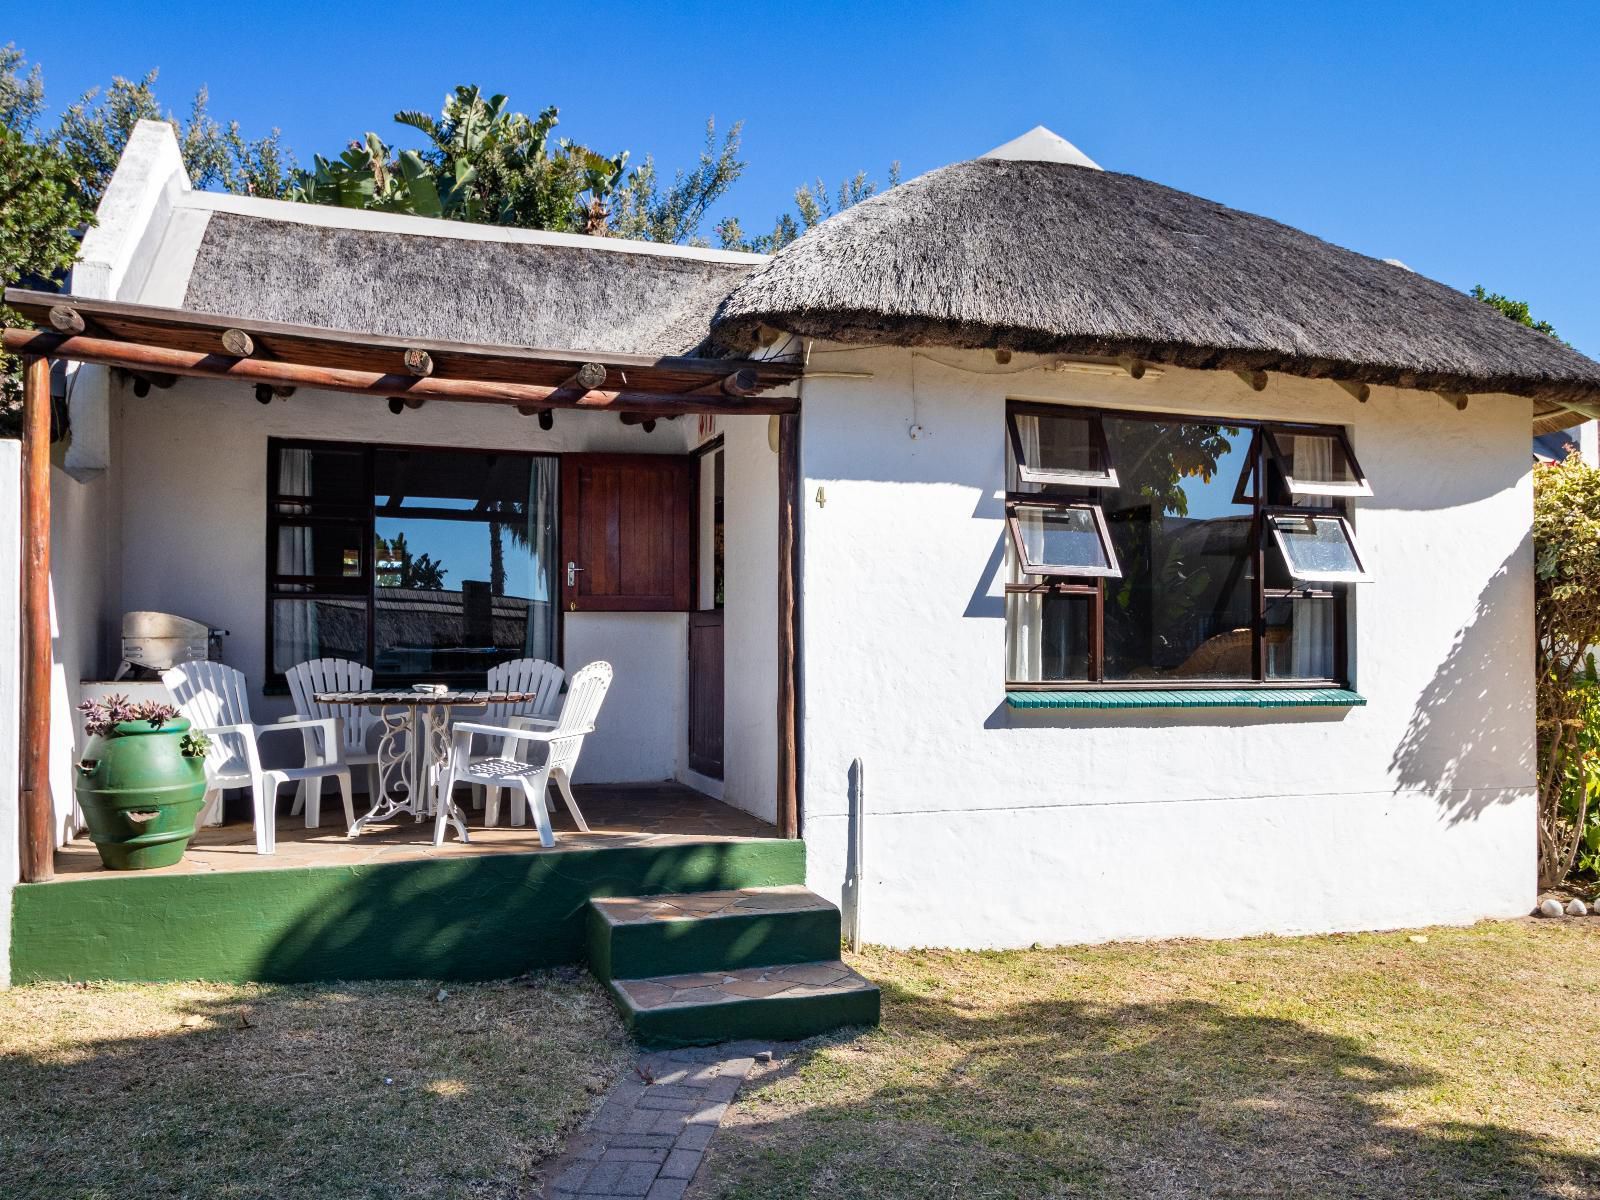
(415, 741)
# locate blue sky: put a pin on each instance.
(1460, 137)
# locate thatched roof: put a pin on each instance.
(1057, 258)
(552, 292)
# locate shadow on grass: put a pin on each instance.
(1069, 1098)
(326, 1092)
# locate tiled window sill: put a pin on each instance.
(1188, 698)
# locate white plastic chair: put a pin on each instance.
(562, 745)
(543, 679)
(213, 699)
(337, 675)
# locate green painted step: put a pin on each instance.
(785, 1002)
(634, 937)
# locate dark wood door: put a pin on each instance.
(705, 692)
(627, 543)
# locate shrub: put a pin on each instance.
(1566, 544)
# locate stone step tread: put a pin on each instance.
(790, 981)
(692, 906)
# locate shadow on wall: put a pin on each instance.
(1465, 714)
(1157, 1099)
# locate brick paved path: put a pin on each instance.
(650, 1135)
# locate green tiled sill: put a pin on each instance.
(1190, 698)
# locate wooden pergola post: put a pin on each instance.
(788, 626)
(36, 813)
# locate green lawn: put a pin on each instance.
(369, 1090)
(1464, 1064)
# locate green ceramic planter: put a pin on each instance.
(140, 795)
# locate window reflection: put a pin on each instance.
(1182, 608)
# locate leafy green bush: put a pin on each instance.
(1566, 544)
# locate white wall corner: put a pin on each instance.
(1589, 443)
(113, 262)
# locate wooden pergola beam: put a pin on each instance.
(135, 356)
(36, 812)
(309, 345)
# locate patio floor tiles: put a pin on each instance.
(619, 816)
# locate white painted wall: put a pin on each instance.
(750, 617)
(993, 828)
(10, 697)
(193, 532)
(641, 735)
(84, 617)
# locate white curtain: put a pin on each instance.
(1024, 612)
(1028, 435)
(539, 640)
(294, 621)
(1312, 458)
(1311, 645)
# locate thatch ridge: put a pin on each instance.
(511, 293)
(1053, 258)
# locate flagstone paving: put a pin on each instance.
(651, 1133)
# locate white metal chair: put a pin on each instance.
(562, 744)
(214, 700)
(360, 725)
(543, 679)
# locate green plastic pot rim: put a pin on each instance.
(141, 727)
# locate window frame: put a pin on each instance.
(1016, 500)
(1360, 575)
(1268, 432)
(1255, 480)
(364, 516)
(1046, 477)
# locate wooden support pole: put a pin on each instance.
(238, 343)
(1133, 366)
(1256, 379)
(1359, 390)
(419, 362)
(788, 626)
(137, 356)
(37, 814)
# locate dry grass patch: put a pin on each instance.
(327, 1091)
(1371, 1066)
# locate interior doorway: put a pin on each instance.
(706, 629)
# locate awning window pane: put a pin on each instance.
(1066, 449)
(1317, 547)
(1066, 539)
(1316, 463)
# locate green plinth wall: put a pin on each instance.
(483, 917)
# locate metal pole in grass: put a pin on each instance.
(854, 874)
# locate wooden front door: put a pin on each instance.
(626, 538)
(705, 692)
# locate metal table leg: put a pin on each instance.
(397, 769)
